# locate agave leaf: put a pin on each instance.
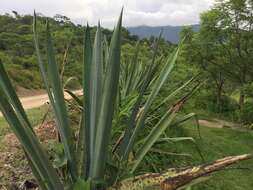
(40, 61)
(82, 185)
(31, 145)
(75, 98)
(7, 87)
(60, 109)
(190, 115)
(156, 88)
(154, 135)
(124, 150)
(176, 139)
(85, 128)
(108, 101)
(175, 92)
(70, 79)
(36, 173)
(180, 120)
(187, 117)
(39, 57)
(169, 153)
(136, 110)
(80, 150)
(96, 82)
(132, 69)
(65, 57)
(106, 53)
(56, 96)
(156, 67)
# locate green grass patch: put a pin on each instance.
(215, 144)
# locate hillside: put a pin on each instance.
(17, 48)
(170, 33)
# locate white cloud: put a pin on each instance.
(136, 12)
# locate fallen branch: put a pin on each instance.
(186, 176)
(176, 178)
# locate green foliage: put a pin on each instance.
(14, 113)
(213, 144)
(86, 161)
(18, 55)
(207, 101)
(245, 113)
(222, 50)
(82, 185)
(128, 105)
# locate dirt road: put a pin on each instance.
(39, 100)
(210, 124)
(218, 123)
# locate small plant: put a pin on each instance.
(92, 162)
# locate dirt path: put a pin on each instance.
(210, 124)
(39, 100)
(218, 123)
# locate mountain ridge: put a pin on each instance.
(170, 33)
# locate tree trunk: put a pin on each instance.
(241, 100)
(219, 94)
(219, 81)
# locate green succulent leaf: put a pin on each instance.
(107, 107)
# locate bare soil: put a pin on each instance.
(218, 123)
(23, 92)
(39, 98)
(14, 170)
(210, 124)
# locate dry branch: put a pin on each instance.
(176, 178)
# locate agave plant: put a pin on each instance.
(95, 161)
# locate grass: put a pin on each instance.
(210, 115)
(217, 143)
(214, 144)
(35, 115)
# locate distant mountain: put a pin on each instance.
(170, 33)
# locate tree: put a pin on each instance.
(228, 29)
(224, 45)
(197, 53)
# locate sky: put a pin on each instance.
(136, 12)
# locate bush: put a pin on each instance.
(26, 78)
(208, 101)
(245, 114)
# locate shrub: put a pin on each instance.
(245, 114)
(208, 101)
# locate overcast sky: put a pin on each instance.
(136, 12)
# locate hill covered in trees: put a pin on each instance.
(18, 54)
